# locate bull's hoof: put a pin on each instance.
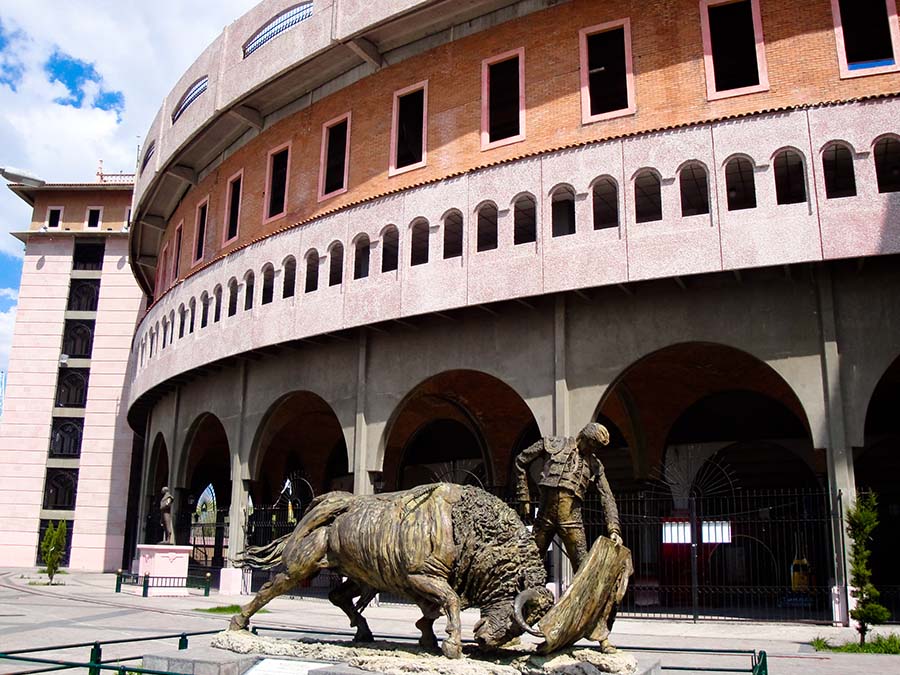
(429, 642)
(452, 649)
(363, 634)
(607, 648)
(238, 622)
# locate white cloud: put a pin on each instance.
(9, 294)
(7, 321)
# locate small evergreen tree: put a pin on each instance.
(861, 520)
(53, 547)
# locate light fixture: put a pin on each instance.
(20, 176)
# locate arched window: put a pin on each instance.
(453, 235)
(277, 25)
(78, 340)
(605, 196)
(647, 197)
(790, 178)
(361, 257)
(232, 297)
(419, 248)
(65, 438)
(83, 295)
(312, 271)
(740, 184)
(248, 291)
(290, 277)
(390, 249)
(182, 321)
(562, 212)
(887, 164)
(336, 265)
(60, 489)
(193, 311)
(694, 190)
(152, 343)
(217, 311)
(487, 227)
(837, 165)
(71, 391)
(165, 329)
(524, 220)
(204, 310)
(268, 289)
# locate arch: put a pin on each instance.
(190, 95)
(289, 277)
(361, 257)
(156, 477)
(486, 226)
(60, 489)
(740, 184)
(605, 202)
(335, 264)
(182, 320)
(420, 235)
(524, 208)
(886, 154)
(277, 25)
(837, 168)
(78, 340)
(647, 196)
(217, 311)
(71, 392)
(268, 287)
(204, 309)
(83, 295)
(312, 271)
(192, 308)
(249, 290)
(790, 176)
(390, 249)
(562, 210)
(693, 182)
(165, 333)
(453, 234)
(232, 296)
(66, 436)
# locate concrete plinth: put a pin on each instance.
(231, 581)
(164, 560)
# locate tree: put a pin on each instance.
(53, 547)
(862, 519)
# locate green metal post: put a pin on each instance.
(762, 666)
(206, 588)
(146, 585)
(96, 658)
(253, 630)
(183, 641)
(119, 581)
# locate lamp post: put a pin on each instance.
(20, 176)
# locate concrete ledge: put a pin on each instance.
(200, 661)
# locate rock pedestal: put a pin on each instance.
(167, 561)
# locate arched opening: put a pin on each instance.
(453, 235)
(158, 478)
(524, 220)
(361, 258)
(182, 321)
(562, 211)
(336, 265)
(605, 195)
(83, 295)
(165, 333)
(232, 297)
(204, 309)
(837, 166)
(193, 313)
(694, 185)
(418, 251)
(78, 340)
(72, 384)
(312, 272)
(290, 277)
(790, 177)
(740, 184)
(217, 312)
(486, 218)
(268, 288)
(647, 197)
(887, 164)
(390, 249)
(249, 291)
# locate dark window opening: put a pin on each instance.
(88, 256)
(268, 289)
(390, 250)
(694, 190)
(733, 45)
(524, 220)
(562, 213)
(503, 99)
(248, 292)
(72, 386)
(647, 197)
(453, 235)
(78, 339)
(419, 248)
(790, 178)
(361, 258)
(176, 258)
(234, 208)
(867, 34)
(887, 164)
(487, 228)
(336, 266)
(60, 489)
(312, 272)
(335, 157)
(740, 184)
(165, 334)
(83, 295)
(192, 311)
(607, 71)
(410, 128)
(837, 165)
(606, 204)
(201, 232)
(182, 321)
(232, 297)
(290, 278)
(278, 167)
(93, 219)
(45, 524)
(204, 311)
(65, 437)
(53, 217)
(217, 312)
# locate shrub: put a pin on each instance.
(53, 547)
(862, 519)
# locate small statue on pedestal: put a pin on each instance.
(165, 517)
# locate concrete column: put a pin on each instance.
(362, 481)
(240, 488)
(560, 388)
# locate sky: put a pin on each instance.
(81, 81)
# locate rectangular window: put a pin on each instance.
(335, 158)
(54, 216)
(176, 254)
(93, 217)
(233, 216)
(734, 53)
(409, 128)
(88, 256)
(607, 78)
(503, 99)
(200, 231)
(277, 181)
(867, 36)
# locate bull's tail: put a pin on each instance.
(263, 557)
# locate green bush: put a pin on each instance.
(862, 519)
(53, 547)
(882, 644)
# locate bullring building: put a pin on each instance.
(389, 243)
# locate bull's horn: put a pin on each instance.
(523, 599)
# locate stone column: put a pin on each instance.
(362, 480)
(560, 423)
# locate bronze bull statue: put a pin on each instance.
(444, 546)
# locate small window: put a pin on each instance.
(503, 99)
(182, 321)
(647, 197)
(790, 178)
(268, 289)
(563, 212)
(176, 252)
(605, 196)
(419, 249)
(694, 190)
(837, 165)
(312, 271)
(54, 216)
(165, 334)
(887, 164)
(233, 217)
(453, 235)
(217, 310)
(280, 23)
(335, 156)
(93, 218)
(336, 265)
(278, 178)
(487, 228)
(200, 234)
(409, 132)
(83, 295)
(390, 249)
(192, 311)
(204, 310)
(72, 385)
(60, 489)
(867, 36)
(733, 47)
(191, 95)
(78, 339)
(607, 83)
(290, 278)
(248, 291)
(148, 155)
(65, 437)
(232, 297)
(524, 220)
(88, 256)
(740, 184)
(361, 258)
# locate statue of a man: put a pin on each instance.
(165, 516)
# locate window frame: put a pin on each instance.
(177, 242)
(197, 259)
(87, 218)
(62, 212)
(393, 170)
(268, 218)
(583, 35)
(761, 63)
(162, 273)
(323, 157)
(486, 143)
(228, 186)
(893, 28)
